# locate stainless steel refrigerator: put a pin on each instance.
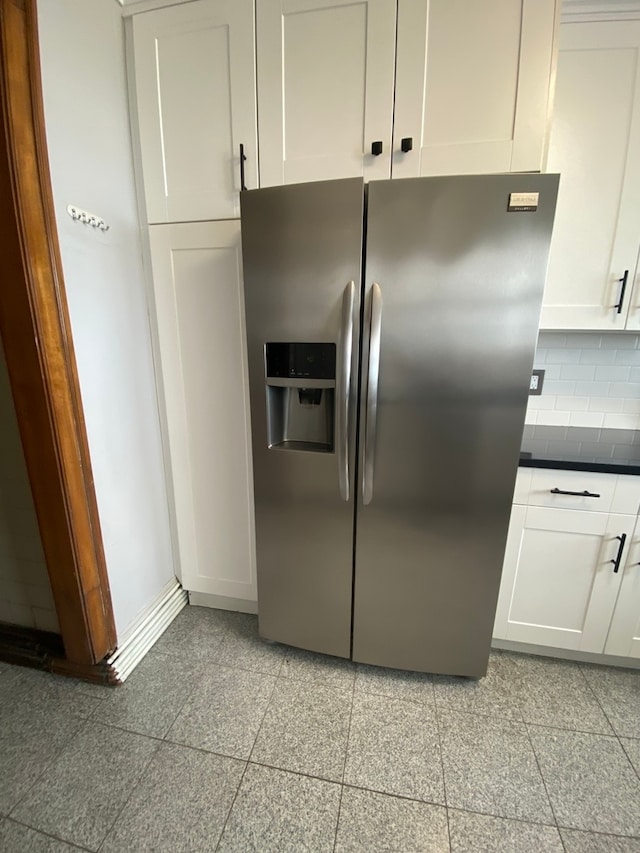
(391, 330)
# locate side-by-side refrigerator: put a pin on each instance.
(391, 331)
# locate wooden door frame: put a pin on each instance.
(36, 335)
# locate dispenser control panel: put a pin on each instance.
(301, 361)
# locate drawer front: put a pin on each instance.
(549, 487)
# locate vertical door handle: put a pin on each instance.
(372, 393)
(623, 282)
(406, 144)
(344, 387)
(616, 562)
(376, 148)
(243, 157)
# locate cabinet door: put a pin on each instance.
(325, 86)
(558, 585)
(472, 85)
(595, 145)
(624, 634)
(196, 103)
(200, 316)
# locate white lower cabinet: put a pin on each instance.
(197, 275)
(624, 634)
(560, 587)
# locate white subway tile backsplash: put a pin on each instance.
(628, 356)
(619, 341)
(544, 401)
(561, 356)
(583, 372)
(613, 372)
(606, 404)
(629, 390)
(621, 422)
(586, 419)
(553, 371)
(559, 386)
(572, 404)
(555, 418)
(582, 340)
(592, 389)
(593, 378)
(552, 339)
(597, 356)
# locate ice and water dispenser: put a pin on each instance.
(301, 388)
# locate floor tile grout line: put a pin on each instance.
(346, 756)
(618, 737)
(264, 715)
(134, 788)
(598, 832)
(525, 821)
(444, 779)
(49, 835)
(233, 802)
(636, 770)
(544, 781)
(597, 698)
(82, 723)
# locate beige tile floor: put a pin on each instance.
(219, 741)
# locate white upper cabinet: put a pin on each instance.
(325, 87)
(196, 104)
(595, 145)
(472, 85)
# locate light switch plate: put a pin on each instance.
(537, 380)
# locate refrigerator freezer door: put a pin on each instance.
(302, 258)
(460, 280)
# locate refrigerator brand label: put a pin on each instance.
(523, 201)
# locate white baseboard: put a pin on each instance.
(148, 629)
(565, 654)
(222, 602)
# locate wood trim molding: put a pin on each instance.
(43, 650)
(35, 332)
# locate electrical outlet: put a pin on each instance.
(537, 379)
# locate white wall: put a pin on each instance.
(85, 98)
(25, 591)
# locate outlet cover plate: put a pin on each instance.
(537, 380)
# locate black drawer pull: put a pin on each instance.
(584, 494)
(616, 562)
(376, 148)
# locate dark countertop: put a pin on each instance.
(611, 451)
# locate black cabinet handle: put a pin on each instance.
(623, 282)
(243, 157)
(376, 148)
(406, 144)
(616, 562)
(584, 494)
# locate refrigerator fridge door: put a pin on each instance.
(454, 274)
(302, 259)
